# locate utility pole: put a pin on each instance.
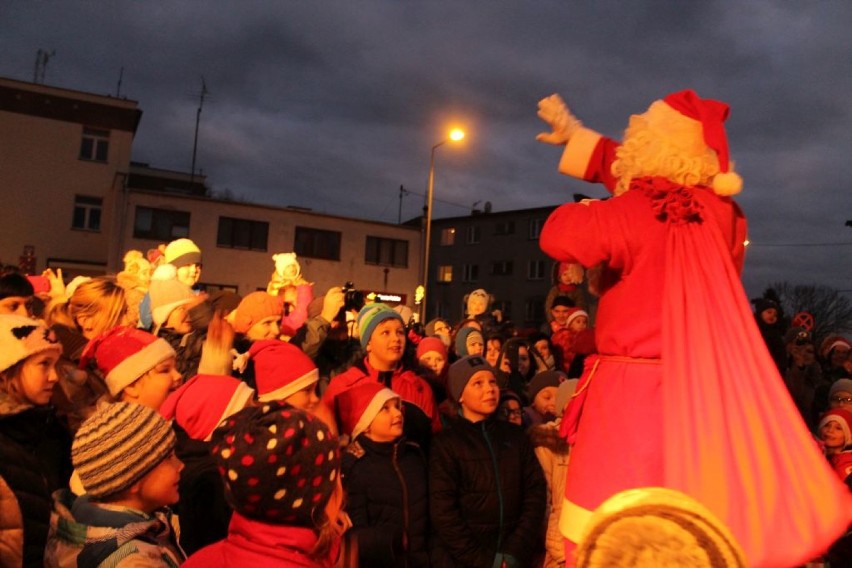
(197, 121)
(402, 192)
(42, 57)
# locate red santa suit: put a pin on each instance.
(666, 402)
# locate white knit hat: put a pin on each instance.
(167, 293)
(21, 337)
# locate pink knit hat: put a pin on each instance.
(204, 401)
(280, 369)
(255, 307)
(123, 354)
(359, 405)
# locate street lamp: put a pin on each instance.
(455, 135)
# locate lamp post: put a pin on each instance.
(455, 135)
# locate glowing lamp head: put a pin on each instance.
(456, 134)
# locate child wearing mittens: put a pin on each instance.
(385, 479)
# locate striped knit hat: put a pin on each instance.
(118, 445)
(370, 317)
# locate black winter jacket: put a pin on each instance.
(388, 502)
(35, 460)
(487, 495)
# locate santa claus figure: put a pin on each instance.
(683, 393)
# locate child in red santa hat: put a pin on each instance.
(385, 479)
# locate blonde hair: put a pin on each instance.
(99, 299)
(663, 142)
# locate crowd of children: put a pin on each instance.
(145, 422)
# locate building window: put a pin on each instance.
(501, 268)
(386, 252)
(534, 310)
(95, 145)
(535, 227)
(504, 228)
(470, 273)
(242, 234)
(316, 243)
(160, 224)
(87, 213)
(505, 307)
(474, 235)
(445, 273)
(535, 270)
(448, 237)
(443, 310)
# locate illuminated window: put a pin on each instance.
(445, 273)
(448, 237)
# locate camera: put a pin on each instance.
(803, 338)
(352, 298)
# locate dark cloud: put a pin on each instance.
(334, 105)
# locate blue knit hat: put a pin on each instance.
(370, 317)
(461, 340)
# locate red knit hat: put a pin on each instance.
(358, 406)
(280, 369)
(712, 115)
(428, 344)
(204, 401)
(255, 307)
(123, 354)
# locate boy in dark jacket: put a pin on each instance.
(487, 491)
(385, 479)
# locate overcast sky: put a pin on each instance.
(334, 105)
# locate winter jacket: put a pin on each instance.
(486, 495)
(388, 501)
(35, 460)
(253, 544)
(78, 391)
(85, 533)
(188, 348)
(552, 453)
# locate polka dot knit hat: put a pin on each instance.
(279, 464)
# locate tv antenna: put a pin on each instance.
(201, 97)
(42, 57)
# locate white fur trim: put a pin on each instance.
(292, 387)
(578, 153)
(573, 520)
(238, 401)
(727, 183)
(575, 315)
(372, 410)
(128, 371)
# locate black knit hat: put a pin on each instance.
(279, 463)
(462, 370)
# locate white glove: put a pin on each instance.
(555, 113)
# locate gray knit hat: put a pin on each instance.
(462, 370)
(118, 445)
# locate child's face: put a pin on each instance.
(523, 360)
(831, 433)
(189, 274)
(306, 399)
(769, 316)
(841, 399)
(545, 401)
(543, 348)
(560, 314)
(492, 351)
(38, 377)
(480, 396)
(386, 345)
(387, 425)
(579, 323)
(433, 360)
(476, 305)
(159, 487)
(16, 305)
(178, 320)
(511, 410)
(473, 342)
(152, 388)
(267, 328)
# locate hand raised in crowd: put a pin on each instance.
(57, 284)
(332, 303)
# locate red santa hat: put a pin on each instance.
(359, 405)
(123, 354)
(575, 313)
(204, 401)
(281, 369)
(712, 115)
